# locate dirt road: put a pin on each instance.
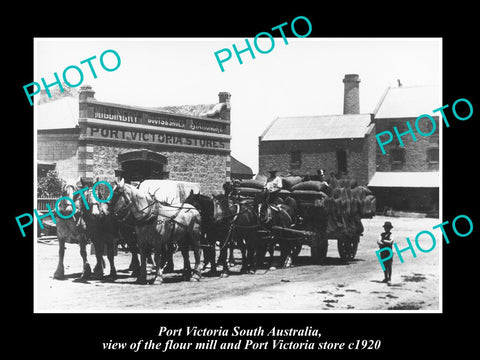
(332, 287)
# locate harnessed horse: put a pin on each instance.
(212, 232)
(71, 230)
(159, 227)
(100, 230)
(281, 214)
(242, 222)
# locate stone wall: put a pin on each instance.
(316, 154)
(206, 168)
(61, 148)
(415, 151)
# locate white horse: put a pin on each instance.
(160, 227)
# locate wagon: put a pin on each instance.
(322, 217)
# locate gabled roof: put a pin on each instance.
(408, 102)
(318, 127)
(421, 179)
(236, 167)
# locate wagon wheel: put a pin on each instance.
(347, 247)
(319, 248)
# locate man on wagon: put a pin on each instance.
(273, 186)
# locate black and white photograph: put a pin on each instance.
(278, 174)
(227, 181)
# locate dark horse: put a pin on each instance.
(212, 232)
(160, 227)
(242, 222)
(71, 230)
(100, 230)
(279, 214)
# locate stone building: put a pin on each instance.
(343, 144)
(408, 176)
(239, 170)
(84, 137)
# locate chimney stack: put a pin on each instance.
(224, 98)
(351, 100)
(86, 92)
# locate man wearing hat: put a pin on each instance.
(386, 240)
(119, 173)
(273, 186)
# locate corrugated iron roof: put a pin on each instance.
(421, 179)
(408, 102)
(318, 127)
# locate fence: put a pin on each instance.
(42, 202)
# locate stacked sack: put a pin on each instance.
(249, 187)
(351, 202)
(344, 203)
(311, 192)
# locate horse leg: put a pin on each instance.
(59, 273)
(247, 262)
(231, 258)
(250, 251)
(87, 271)
(142, 273)
(111, 257)
(157, 258)
(187, 270)
(197, 253)
(286, 251)
(271, 253)
(134, 266)
(99, 248)
(169, 267)
(222, 257)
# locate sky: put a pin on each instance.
(303, 77)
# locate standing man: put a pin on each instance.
(386, 240)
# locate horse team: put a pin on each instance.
(153, 228)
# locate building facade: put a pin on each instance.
(341, 144)
(408, 176)
(91, 139)
(405, 178)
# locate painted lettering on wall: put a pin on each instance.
(155, 138)
(174, 121)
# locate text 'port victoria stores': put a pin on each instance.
(125, 124)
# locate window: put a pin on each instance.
(296, 159)
(398, 156)
(342, 161)
(432, 155)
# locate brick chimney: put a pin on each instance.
(86, 92)
(351, 100)
(224, 97)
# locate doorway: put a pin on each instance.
(140, 165)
